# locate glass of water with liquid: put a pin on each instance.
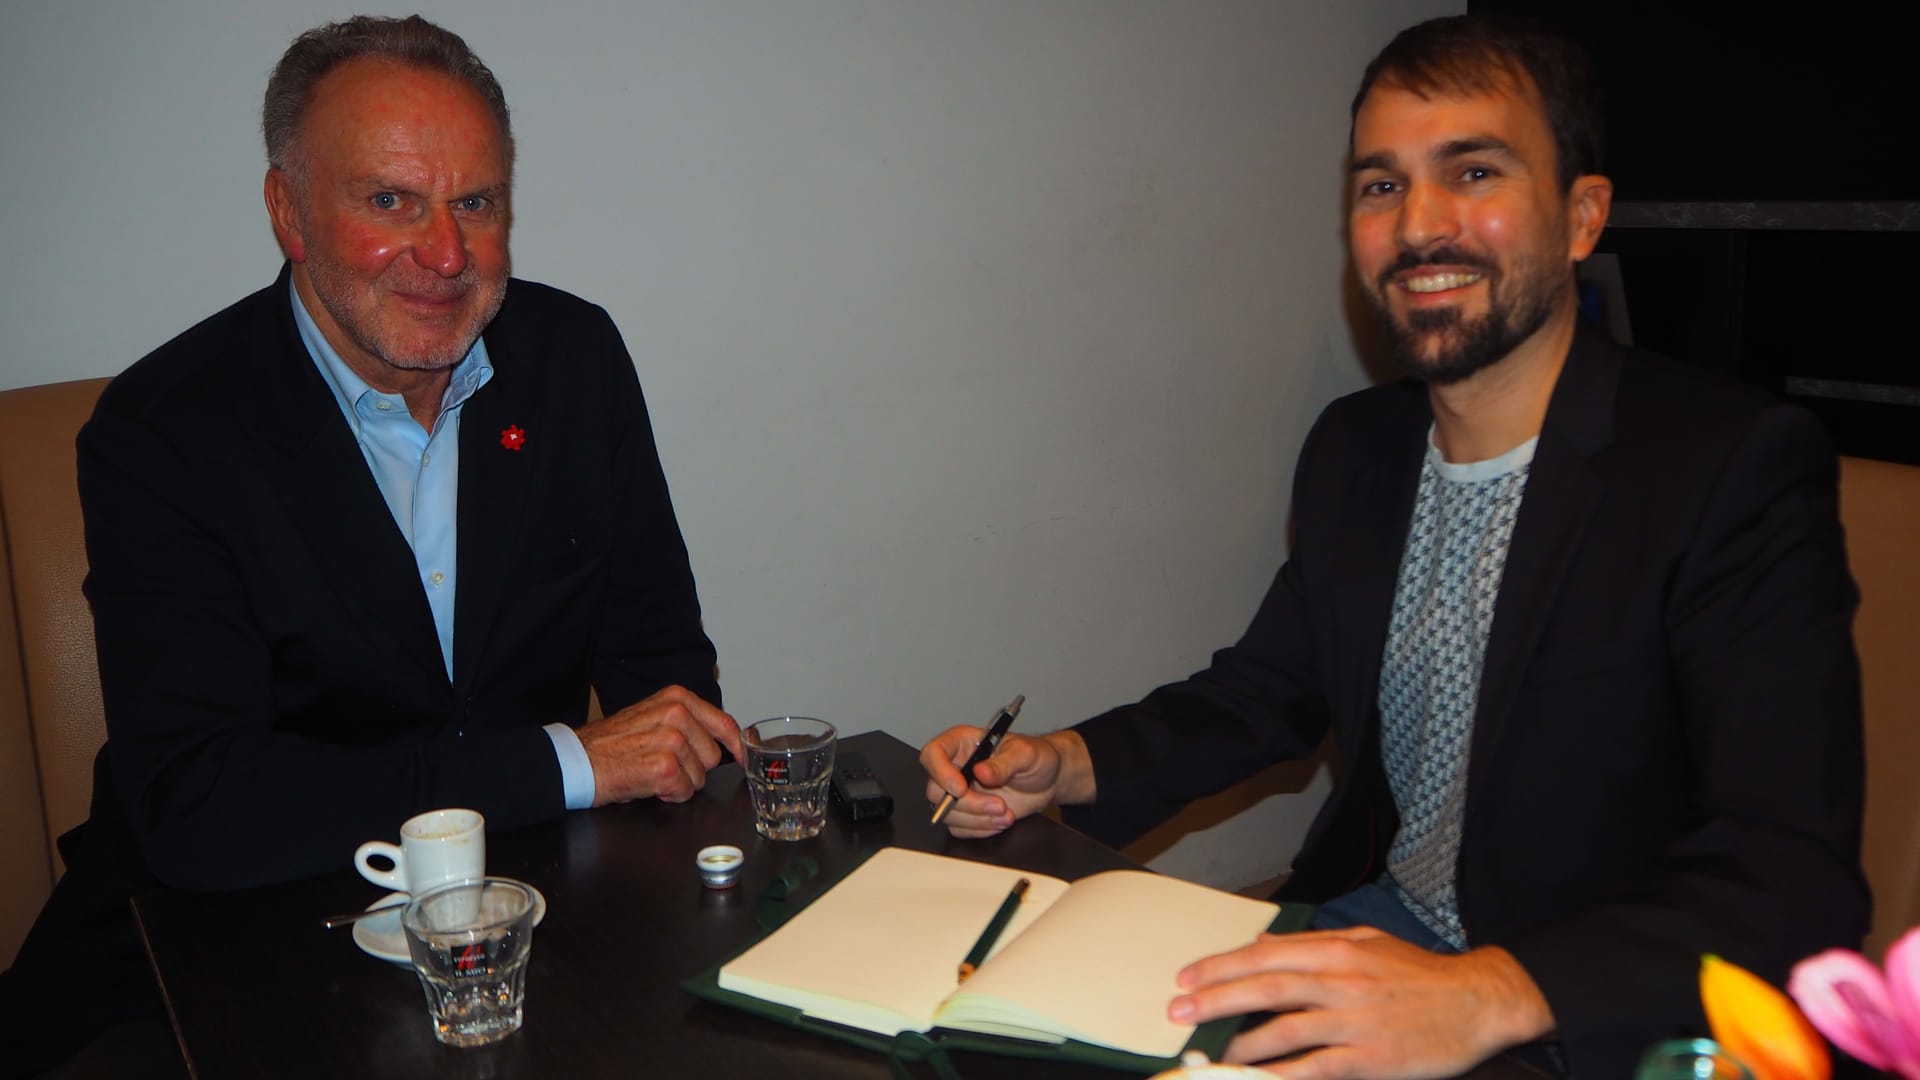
(469, 942)
(789, 768)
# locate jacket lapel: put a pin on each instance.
(331, 498)
(1562, 494)
(493, 493)
(1368, 562)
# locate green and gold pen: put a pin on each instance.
(978, 954)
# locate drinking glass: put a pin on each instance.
(470, 941)
(1690, 1059)
(789, 769)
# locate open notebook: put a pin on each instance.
(1091, 963)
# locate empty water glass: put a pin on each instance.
(470, 941)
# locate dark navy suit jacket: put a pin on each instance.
(1666, 754)
(274, 688)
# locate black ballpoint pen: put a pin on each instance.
(988, 744)
(978, 954)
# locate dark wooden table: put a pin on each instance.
(257, 988)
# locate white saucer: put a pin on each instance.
(382, 937)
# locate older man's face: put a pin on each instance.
(396, 216)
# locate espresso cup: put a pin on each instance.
(435, 847)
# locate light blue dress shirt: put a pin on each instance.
(418, 472)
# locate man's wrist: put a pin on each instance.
(1074, 784)
(1514, 1010)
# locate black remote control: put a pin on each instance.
(858, 792)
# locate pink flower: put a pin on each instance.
(1873, 1018)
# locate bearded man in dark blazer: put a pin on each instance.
(361, 543)
(1577, 619)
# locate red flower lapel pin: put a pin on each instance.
(513, 438)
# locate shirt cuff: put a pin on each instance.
(576, 771)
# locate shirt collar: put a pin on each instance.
(1472, 472)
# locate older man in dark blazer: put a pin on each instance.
(361, 543)
(1578, 621)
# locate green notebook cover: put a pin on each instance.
(1210, 1038)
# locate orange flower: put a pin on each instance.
(1759, 1025)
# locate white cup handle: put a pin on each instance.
(396, 878)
